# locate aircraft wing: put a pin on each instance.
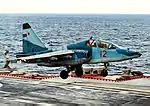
(47, 55)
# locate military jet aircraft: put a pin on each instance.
(90, 51)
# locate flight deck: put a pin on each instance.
(42, 90)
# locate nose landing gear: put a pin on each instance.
(104, 72)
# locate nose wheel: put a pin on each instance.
(104, 72)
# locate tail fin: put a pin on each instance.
(31, 42)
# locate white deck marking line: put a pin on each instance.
(57, 81)
(108, 87)
(112, 87)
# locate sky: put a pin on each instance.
(76, 6)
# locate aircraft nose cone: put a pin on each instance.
(128, 52)
(139, 54)
(136, 53)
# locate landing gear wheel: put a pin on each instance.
(64, 74)
(79, 71)
(104, 73)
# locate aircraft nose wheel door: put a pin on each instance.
(79, 71)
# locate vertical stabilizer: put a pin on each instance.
(31, 42)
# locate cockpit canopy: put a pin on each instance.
(90, 43)
(100, 44)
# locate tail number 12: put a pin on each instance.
(103, 53)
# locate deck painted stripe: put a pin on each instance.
(112, 87)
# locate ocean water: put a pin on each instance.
(57, 30)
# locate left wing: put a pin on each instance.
(47, 55)
(57, 58)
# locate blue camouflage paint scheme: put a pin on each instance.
(103, 55)
(88, 51)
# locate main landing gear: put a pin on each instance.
(78, 71)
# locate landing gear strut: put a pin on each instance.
(106, 64)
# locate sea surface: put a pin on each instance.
(57, 30)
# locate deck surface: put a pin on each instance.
(73, 91)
